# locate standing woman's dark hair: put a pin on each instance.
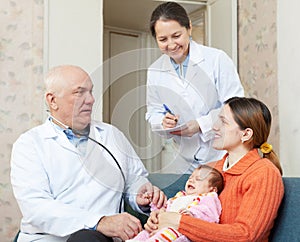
(252, 113)
(189, 68)
(169, 11)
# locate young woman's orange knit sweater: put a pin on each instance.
(251, 197)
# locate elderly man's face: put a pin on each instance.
(76, 102)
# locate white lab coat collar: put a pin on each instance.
(51, 133)
(196, 56)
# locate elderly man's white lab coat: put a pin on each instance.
(59, 191)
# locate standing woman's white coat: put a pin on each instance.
(209, 78)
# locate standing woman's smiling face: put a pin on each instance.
(173, 39)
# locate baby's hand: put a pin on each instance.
(163, 209)
(185, 212)
(153, 207)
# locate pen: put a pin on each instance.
(169, 111)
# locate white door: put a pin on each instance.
(121, 78)
(124, 88)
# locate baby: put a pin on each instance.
(199, 199)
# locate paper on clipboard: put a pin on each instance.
(163, 131)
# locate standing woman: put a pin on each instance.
(192, 80)
(253, 187)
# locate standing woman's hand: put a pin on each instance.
(191, 129)
(170, 121)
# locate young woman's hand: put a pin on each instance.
(168, 219)
(151, 225)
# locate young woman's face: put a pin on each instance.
(227, 132)
(173, 39)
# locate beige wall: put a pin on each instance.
(21, 72)
(258, 56)
(269, 55)
(73, 37)
(288, 37)
(36, 35)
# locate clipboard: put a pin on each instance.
(163, 131)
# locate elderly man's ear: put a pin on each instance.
(51, 101)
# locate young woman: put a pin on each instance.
(253, 184)
(187, 84)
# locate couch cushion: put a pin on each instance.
(170, 184)
(287, 223)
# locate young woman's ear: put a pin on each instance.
(246, 134)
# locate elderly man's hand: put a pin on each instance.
(151, 194)
(124, 226)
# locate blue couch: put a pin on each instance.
(287, 224)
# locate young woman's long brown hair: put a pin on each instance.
(254, 114)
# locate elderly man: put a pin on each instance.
(71, 174)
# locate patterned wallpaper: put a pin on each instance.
(257, 41)
(21, 72)
(21, 103)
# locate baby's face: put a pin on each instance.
(198, 182)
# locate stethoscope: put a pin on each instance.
(196, 153)
(84, 134)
